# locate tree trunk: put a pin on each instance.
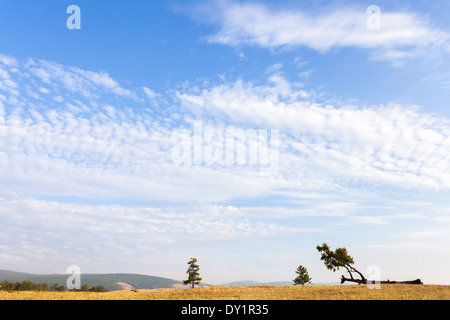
(358, 281)
(351, 269)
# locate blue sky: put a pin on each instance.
(92, 123)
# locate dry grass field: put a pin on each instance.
(387, 292)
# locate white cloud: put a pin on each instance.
(44, 90)
(402, 34)
(58, 99)
(39, 232)
(7, 84)
(165, 224)
(8, 60)
(371, 220)
(2, 113)
(109, 154)
(98, 148)
(87, 83)
(151, 94)
(392, 144)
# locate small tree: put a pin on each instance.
(84, 288)
(303, 276)
(334, 260)
(192, 271)
(98, 288)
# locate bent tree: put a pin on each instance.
(340, 258)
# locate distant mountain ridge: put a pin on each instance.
(111, 282)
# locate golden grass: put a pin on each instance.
(387, 292)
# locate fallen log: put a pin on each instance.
(365, 281)
(417, 281)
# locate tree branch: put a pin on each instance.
(349, 272)
(358, 272)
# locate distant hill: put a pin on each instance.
(112, 282)
(5, 274)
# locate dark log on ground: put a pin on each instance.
(417, 281)
(365, 281)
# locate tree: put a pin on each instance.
(6, 285)
(98, 288)
(334, 260)
(57, 287)
(303, 276)
(41, 287)
(54, 287)
(192, 271)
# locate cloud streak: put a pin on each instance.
(77, 135)
(87, 83)
(402, 35)
(63, 233)
(389, 143)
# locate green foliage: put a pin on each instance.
(192, 271)
(98, 289)
(56, 287)
(85, 288)
(334, 260)
(27, 285)
(303, 276)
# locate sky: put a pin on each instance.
(135, 135)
